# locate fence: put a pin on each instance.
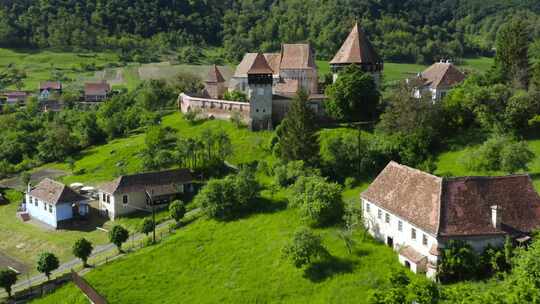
(25, 293)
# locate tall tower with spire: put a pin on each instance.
(260, 93)
(357, 49)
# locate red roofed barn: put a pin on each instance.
(416, 213)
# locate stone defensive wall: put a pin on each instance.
(217, 108)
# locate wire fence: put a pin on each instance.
(41, 287)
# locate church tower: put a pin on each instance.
(215, 83)
(260, 93)
(357, 49)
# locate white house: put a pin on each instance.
(52, 203)
(130, 193)
(437, 80)
(416, 213)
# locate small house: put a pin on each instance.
(437, 80)
(96, 91)
(130, 193)
(49, 88)
(16, 97)
(52, 203)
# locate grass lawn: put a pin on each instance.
(39, 64)
(240, 262)
(452, 163)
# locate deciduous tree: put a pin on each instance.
(82, 249)
(47, 263)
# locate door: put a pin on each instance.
(390, 242)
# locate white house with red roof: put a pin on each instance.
(417, 213)
(437, 80)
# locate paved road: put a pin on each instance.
(99, 249)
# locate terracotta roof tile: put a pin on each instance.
(96, 88)
(260, 66)
(297, 56)
(356, 49)
(412, 254)
(50, 85)
(54, 192)
(456, 206)
(412, 194)
(441, 74)
(288, 86)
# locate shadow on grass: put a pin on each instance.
(322, 270)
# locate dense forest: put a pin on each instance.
(404, 31)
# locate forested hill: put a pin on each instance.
(407, 30)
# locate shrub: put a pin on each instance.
(147, 226)
(8, 278)
(82, 249)
(423, 291)
(177, 210)
(118, 235)
(458, 262)
(286, 174)
(318, 200)
(304, 248)
(500, 153)
(47, 262)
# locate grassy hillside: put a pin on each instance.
(240, 262)
(38, 65)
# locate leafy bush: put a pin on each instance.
(458, 262)
(501, 153)
(118, 235)
(82, 249)
(318, 200)
(177, 210)
(304, 248)
(226, 198)
(285, 174)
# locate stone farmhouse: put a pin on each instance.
(271, 81)
(437, 80)
(417, 213)
(130, 193)
(54, 203)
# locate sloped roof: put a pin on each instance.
(456, 206)
(260, 66)
(54, 192)
(442, 74)
(297, 56)
(214, 75)
(96, 88)
(147, 181)
(356, 49)
(272, 59)
(409, 193)
(287, 86)
(468, 200)
(412, 255)
(50, 85)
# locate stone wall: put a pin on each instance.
(220, 109)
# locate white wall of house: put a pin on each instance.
(48, 213)
(116, 205)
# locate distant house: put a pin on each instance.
(96, 91)
(437, 80)
(417, 213)
(52, 203)
(16, 97)
(130, 193)
(48, 88)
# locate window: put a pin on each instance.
(424, 240)
(367, 207)
(108, 198)
(104, 197)
(45, 206)
(413, 233)
(379, 214)
(400, 226)
(125, 199)
(36, 202)
(387, 218)
(50, 208)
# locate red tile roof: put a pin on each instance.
(96, 88)
(260, 66)
(297, 56)
(441, 74)
(287, 86)
(356, 49)
(54, 192)
(214, 75)
(412, 255)
(50, 85)
(456, 206)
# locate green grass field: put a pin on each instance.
(240, 262)
(38, 64)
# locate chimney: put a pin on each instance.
(496, 216)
